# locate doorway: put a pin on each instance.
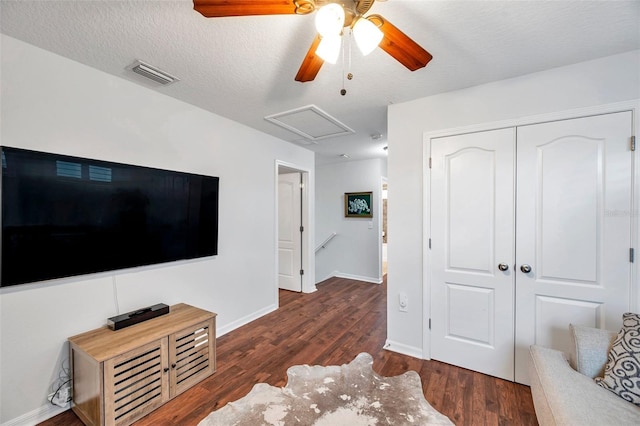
(292, 228)
(290, 231)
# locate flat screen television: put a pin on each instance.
(64, 216)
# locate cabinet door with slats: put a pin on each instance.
(136, 383)
(192, 356)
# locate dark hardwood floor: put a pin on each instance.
(330, 327)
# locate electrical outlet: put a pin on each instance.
(62, 397)
(403, 302)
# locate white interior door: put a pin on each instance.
(472, 237)
(574, 188)
(289, 234)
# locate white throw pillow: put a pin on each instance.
(590, 349)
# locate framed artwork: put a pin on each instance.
(358, 204)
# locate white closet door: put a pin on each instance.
(574, 184)
(472, 233)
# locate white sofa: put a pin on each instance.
(564, 392)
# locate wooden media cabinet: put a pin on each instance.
(121, 376)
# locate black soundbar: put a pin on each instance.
(135, 317)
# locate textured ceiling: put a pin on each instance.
(243, 68)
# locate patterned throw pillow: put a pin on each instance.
(622, 372)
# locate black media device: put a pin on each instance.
(64, 216)
(135, 317)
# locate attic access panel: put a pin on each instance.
(310, 122)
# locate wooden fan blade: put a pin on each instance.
(400, 46)
(311, 63)
(221, 8)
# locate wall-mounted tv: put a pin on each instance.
(64, 216)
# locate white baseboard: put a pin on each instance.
(331, 275)
(403, 349)
(313, 289)
(36, 416)
(245, 320)
(339, 274)
(377, 280)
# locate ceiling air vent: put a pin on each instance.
(152, 73)
(310, 122)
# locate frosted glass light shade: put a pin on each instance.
(329, 48)
(330, 19)
(368, 36)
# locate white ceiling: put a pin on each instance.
(243, 68)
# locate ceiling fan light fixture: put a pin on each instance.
(329, 48)
(330, 20)
(368, 36)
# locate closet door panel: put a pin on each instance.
(572, 176)
(472, 232)
(569, 192)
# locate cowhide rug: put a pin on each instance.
(351, 394)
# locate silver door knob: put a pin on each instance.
(503, 267)
(525, 268)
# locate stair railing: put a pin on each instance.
(325, 242)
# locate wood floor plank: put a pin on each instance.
(478, 399)
(437, 383)
(330, 327)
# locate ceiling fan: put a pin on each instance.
(333, 16)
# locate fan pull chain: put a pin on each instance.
(343, 91)
(350, 43)
(344, 53)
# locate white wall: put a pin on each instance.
(53, 104)
(356, 251)
(603, 81)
